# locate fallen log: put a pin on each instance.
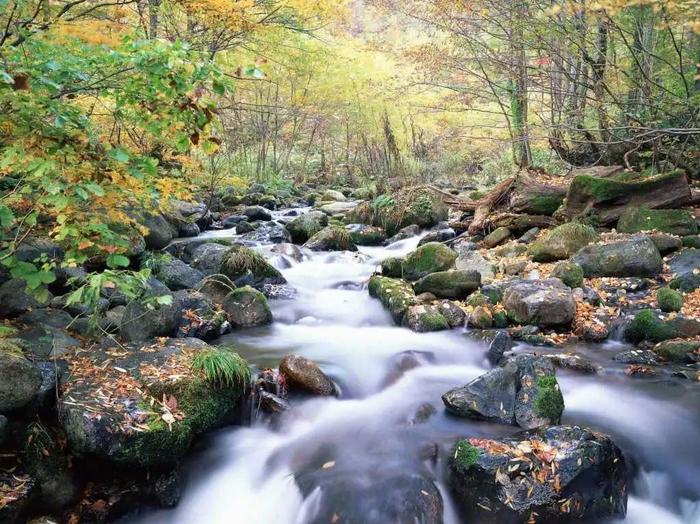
(484, 206)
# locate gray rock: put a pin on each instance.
(456, 284)
(14, 300)
(232, 221)
(666, 243)
(200, 318)
(474, 261)
(20, 379)
(683, 266)
(364, 235)
(338, 208)
(141, 322)
(160, 231)
(501, 343)
(424, 318)
(540, 302)
(174, 273)
(454, 314)
(529, 235)
(246, 307)
(216, 287)
(331, 239)
(404, 233)
(634, 256)
(207, 257)
(267, 232)
(496, 237)
(257, 213)
(305, 375)
(307, 225)
(441, 235)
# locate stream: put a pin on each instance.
(386, 375)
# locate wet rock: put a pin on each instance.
(243, 228)
(20, 379)
(636, 219)
(168, 487)
(404, 233)
(634, 256)
(196, 401)
(405, 361)
(454, 314)
(307, 225)
(680, 351)
(14, 300)
(540, 302)
(200, 318)
(3, 429)
(441, 235)
(561, 242)
(233, 221)
(188, 230)
(423, 414)
(642, 357)
(501, 343)
(288, 250)
(496, 237)
(424, 318)
(246, 307)
(573, 362)
(207, 257)
(160, 231)
(141, 322)
(529, 235)
(305, 375)
(570, 474)
(331, 238)
(523, 391)
(427, 259)
(257, 213)
(396, 295)
(364, 235)
(247, 267)
(267, 232)
(45, 335)
(456, 284)
(216, 287)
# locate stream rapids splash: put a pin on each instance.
(387, 376)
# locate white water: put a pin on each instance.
(246, 475)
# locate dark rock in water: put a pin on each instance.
(196, 402)
(501, 343)
(243, 228)
(207, 257)
(634, 256)
(288, 250)
(331, 238)
(573, 362)
(395, 295)
(232, 221)
(454, 314)
(364, 235)
(247, 307)
(540, 302)
(216, 287)
(24, 492)
(173, 272)
(560, 474)
(440, 235)
(189, 230)
(456, 284)
(247, 267)
(257, 213)
(271, 403)
(20, 379)
(523, 391)
(643, 357)
(305, 375)
(162, 320)
(14, 300)
(424, 318)
(167, 488)
(346, 496)
(404, 233)
(268, 232)
(428, 258)
(406, 361)
(279, 291)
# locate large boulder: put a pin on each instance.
(523, 391)
(331, 195)
(14, 299)
(428, 258)
(305, 375)
(559, 474)
(246, 307)
(266, 233)
(455, 284)
(172, 271)
(20, 379)
(207, 257)
(151, 316)
(561, 242)
(395, 295)
(247, 267)
(674, 221)
(143, 406)
(471, 260)
(257, 213)
(160, 231)
(541, 303)
(331, 238)
(307, 225)
(633, 256)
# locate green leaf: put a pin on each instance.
(81, 192)
(119, 154)
(7, 217)
(164, 300)
(115, 261)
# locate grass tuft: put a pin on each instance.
(222, 367)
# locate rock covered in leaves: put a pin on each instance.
(143, 405)
(633, 256)
(540, 302)
(559, 474)
(305, 375)
(523, 391)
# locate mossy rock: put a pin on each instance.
(428, 258)
(331, 238)
(481, 318)
(562, 242)
(303, 227)
(392, 267)
(549, 402)
(455, 284)
(674, 221)
(680, 351)
(544, 204)
(669, 300)
(496, 237)
(246, 307)
(424, 319)
(570, 273)
(647, 326)
(500, 319)
(691, 241)
(464, 456)
(633, 256)
(396, 295)
(245, 266)
(477, 299)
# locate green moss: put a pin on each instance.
(465, 456)
(481, 318)
(238, 260)
(477, 299)
(669, 300)
(569, 273)
(221, 367)
(681, 351)
(545, 204)
(691, 241)
(392, 267)
(434, 321)
(673, 221)
(549, 402)
(396, 295)
(500, 319)
(7, 331)
(610, 188)
(478, 194)
(428, 258)
(646, 326)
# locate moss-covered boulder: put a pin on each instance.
(392, 267)
(396, 295)
(691, 241)
(247, 267)
(480, 318)
(331, 195)
(569, 273)
(562, 242)
(456, 284)
(674, 221)
(246, 307)
(680, 351)
(669, 300)
(171, 271)
(646, 325)
(425, 318)
(303, 227)
(539, 473)
(428, 258)
(331, 238)
(634, 256)
(666, 243)
(20, 379)
(143, 406)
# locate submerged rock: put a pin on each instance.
(305, 375)
(560, 474)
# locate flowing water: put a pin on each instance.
(387, 375)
